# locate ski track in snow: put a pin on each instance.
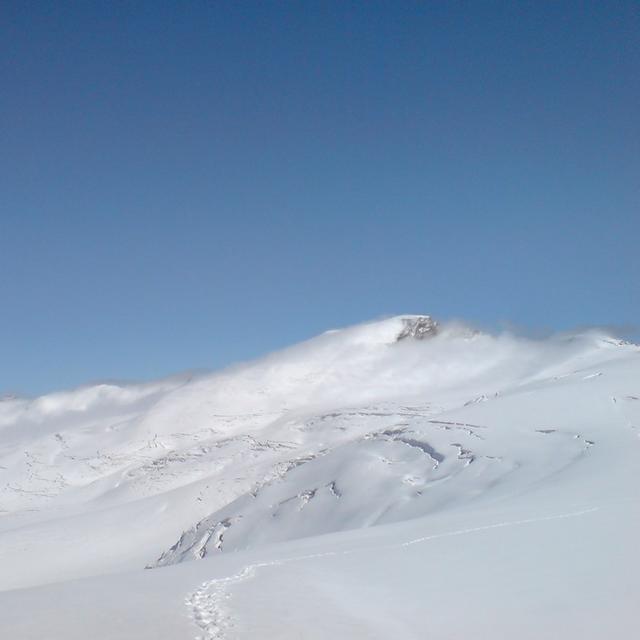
(208, 604)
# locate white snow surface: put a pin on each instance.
(452, 484)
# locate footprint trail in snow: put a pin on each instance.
(208, 604)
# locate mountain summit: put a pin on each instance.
(418, 327)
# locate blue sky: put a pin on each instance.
(184, 185)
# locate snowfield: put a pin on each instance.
(396, 479)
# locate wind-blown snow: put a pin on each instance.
(395, 479)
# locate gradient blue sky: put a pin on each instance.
(189, 184)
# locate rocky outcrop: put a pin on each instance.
(418, 327)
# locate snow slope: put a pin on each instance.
(396, 479)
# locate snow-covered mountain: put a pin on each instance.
(396, 479)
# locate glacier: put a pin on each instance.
(402, 478)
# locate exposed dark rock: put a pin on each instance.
(419, 327)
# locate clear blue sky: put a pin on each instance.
(189, 184)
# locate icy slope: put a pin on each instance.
(349, 484)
